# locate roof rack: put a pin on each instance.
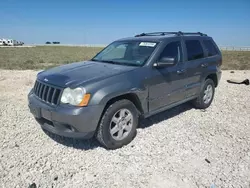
(179, 33)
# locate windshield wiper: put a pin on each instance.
(116, 62)
(105, 61)
(130, 64)
(109, 61)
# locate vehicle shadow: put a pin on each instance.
(81, 144)
(143, 123)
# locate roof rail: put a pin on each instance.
(179, 33)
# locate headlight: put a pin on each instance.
(77, 96)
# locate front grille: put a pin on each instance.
(47, 93)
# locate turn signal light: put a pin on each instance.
(85, 100)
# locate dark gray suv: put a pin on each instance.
(131, 77)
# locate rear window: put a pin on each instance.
(194, 49)
(210, 47)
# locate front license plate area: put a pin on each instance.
(35, 111)
(46, 114)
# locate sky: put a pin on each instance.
(101, 22)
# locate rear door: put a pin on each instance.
(212, 53)
(194, 56)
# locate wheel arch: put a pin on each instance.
(129, 96)
(213, 77)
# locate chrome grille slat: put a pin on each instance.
(39, 88)
(41, 91)
(51, 94)
(35, 87)
(37, 92)
(53, 97)
(58, 98)
(47, 93)
(44, 91)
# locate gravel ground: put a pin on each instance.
(182, 147)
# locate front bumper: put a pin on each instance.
(64, 120)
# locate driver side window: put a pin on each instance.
(172, 50)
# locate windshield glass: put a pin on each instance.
(134, 53)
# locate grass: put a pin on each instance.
(236, 60)
(44, 57)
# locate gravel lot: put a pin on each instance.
(182, 147)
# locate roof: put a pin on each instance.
(160, 36)
(147, 38)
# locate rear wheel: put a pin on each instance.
(206, 96)
(118, 124)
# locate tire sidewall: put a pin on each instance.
(108, 139)
(207, 82)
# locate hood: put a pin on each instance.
(74, 74)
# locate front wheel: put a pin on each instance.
(118, 124)
(206, 96)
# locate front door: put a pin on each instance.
(168, 83)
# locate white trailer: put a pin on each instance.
(3, 42)
(12, 42)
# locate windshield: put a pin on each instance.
(134, 53)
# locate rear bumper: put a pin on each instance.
(63, 120)
(218, 76)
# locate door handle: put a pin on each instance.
(181, 71)
(204, 65)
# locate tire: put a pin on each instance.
(104, 135)
(199, 102)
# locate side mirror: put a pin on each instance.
(165, 61)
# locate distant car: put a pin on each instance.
(131, 77)
(19, 43)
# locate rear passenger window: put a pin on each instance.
(211, 49)
(194, 50)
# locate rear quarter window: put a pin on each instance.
(194, 50)
(210, 48)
